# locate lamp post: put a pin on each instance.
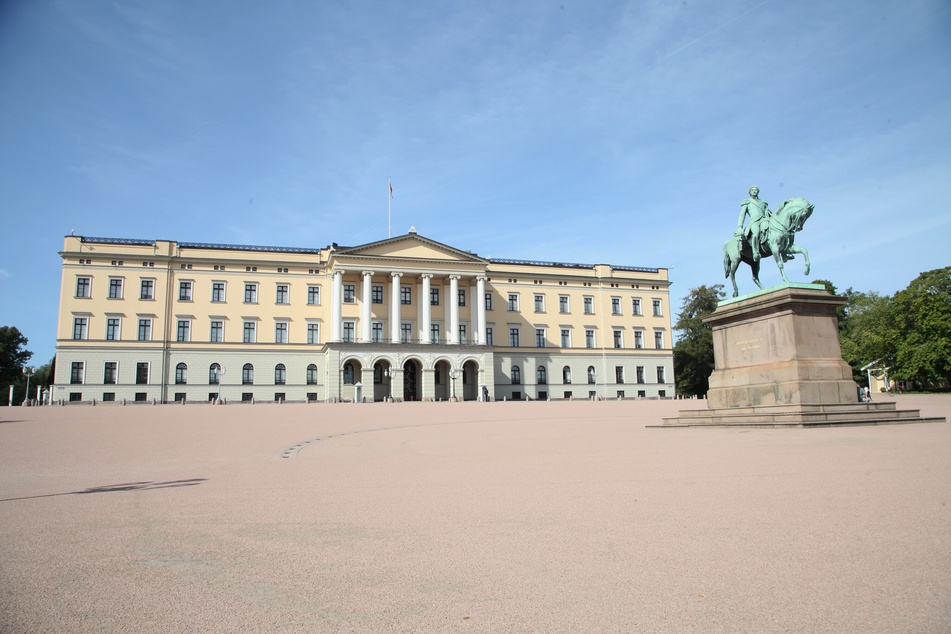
(28, 372)
(452, 375)
(221, 378)
(388, 373)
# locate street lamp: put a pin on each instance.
(388, 373)
(452, 375)
(28, 372)
(221, 376)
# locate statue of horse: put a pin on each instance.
(777, 235)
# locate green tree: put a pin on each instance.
(13, 356)
(922, 315)
(693, 352)
(867, 331)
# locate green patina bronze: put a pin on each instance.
(767, 233)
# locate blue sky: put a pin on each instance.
(617, 132)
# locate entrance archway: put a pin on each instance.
(382, 381)
(470, 381)
(412, 381)
(442, 381)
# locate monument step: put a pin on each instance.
(809, 415)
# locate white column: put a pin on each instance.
(365, 308)
(426, 307)
(395, 307)
(453, 309)
(480, 309)
(336, 305)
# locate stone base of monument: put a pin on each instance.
(778, 364)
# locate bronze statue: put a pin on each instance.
(768, 233)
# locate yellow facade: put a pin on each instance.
(144, 320)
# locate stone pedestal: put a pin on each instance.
(778, 363)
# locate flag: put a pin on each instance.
(391, 189)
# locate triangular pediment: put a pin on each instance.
(409, 247)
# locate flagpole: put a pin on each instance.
(389, 201)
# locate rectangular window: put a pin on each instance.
(513, 301)
(640, 374)
(184, 291)
(283, 295)
(145, 330)
(348, 329)
(218, 291)
(77, 372)
(250, 332)
(80, 328)
(563, 306)
(406, 295)
(488, 301)
(462, 333)
(539, 337)
(618, 339)
(462, 297)
(115, 288)
(489, 338)
(406, 333)
(638, 339)
(313, 333)
(539, 303)
(376, 332)
(589, 341)
(184, 330)
(513, 336)
(142, 373)
(565, 338)
(658, 340)
(280, 332)
(376, 294)
(109, 372)
(112, 328)
(636, 306)
(588, 305)
(434, 332)
(83, 284)
(217, 331)
(434, 297)
(250, 293)
(619, 374)
(349, 293)
(313, 295)
(148, 289)
(660, 374)
(658, 312)
(615, 305)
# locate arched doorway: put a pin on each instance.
(412, 382)
(470, 381)
(382, 381)
(442, 381)
(351, 372)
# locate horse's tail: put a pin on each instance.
(727, 259)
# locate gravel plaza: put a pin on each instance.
(468, 517)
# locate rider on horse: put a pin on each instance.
(758, 211)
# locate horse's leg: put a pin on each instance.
(805, 254)
(779, 262)
(754, 266)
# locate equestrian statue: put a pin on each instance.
(767, 233)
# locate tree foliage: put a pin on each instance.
(693, 352)
(13, 355)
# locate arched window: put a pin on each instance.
(247, 374)
(280, 374)
(542, 375)
(312, 374)
(591, 376)
(516, 375)
(348, 373)
(181, 374)
(214, 374)
(566, 375)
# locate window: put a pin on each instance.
(110, 372)
(214, 374)
(250, 293)
(513, 301)
(83, 285)
(539, 303)
(618, 339)
(283, 295)
(247, 374)
(434, 296)
(566, 375)
(313, 295)
(145, 330)
(636, 306)
(184, 291)
(280, 332)
(250, 332)
(376, 294)
(218, 291)
(184, 330)
(640, 373)
(434, 332)
(181, 374)
(312, 374)
(348, 329)
(112, 328)
(658, 339)
(565, 337)
(462, 333)
(217, 331)
(589, 340)
(563, 306)
(142, 373)
(462, 297)
(591, 375)
(280, 374)
(516, 375)
(313, 333)
(660, 374)
(376, 329)
(148, 289)
(539, 337)
(513, 336)
(658, 312)
(115, 288)
(588, 305)
(349, 293)
(615, 305)
(77, 372)
(80, 328)
(541, 375)
(488, 301)
(406, 295)
(489, 339)
(619, 374)
(348, 373)
(247, 397)
(638, 339)
(406, 333)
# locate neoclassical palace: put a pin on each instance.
(406, 318)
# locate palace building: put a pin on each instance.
(406, 318)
